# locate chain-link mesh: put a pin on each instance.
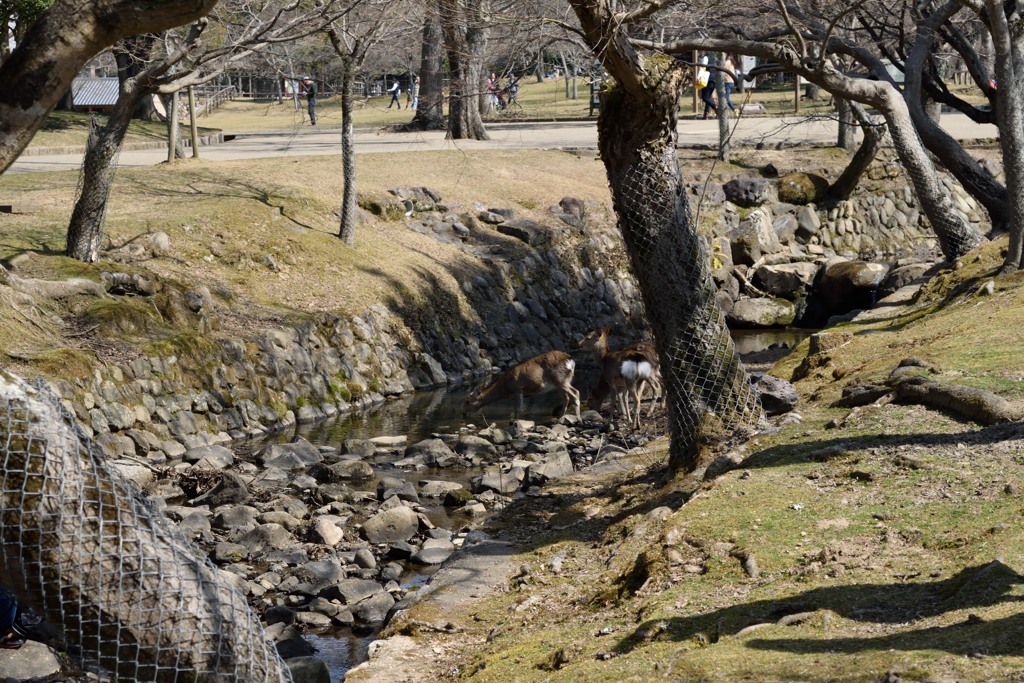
(709, 392)
(132, 598)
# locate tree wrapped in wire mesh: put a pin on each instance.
(132, 598)
(709, 392)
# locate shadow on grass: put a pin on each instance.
(825, 449)
(889, 604)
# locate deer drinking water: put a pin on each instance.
(626, 372)
(547, 372)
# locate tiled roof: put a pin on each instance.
(94, 92)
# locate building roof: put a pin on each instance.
(94, 91)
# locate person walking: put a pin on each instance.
(707, 84)
(395, 91)
(309, 85)
(415, 92)
(729, 82)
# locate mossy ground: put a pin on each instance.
(887, 539)
(874, 530)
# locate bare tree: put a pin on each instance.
(352, 36)
(955, 235)
(430, 108)
(1006, 23)
(465, 33)
(708, 390)
(181, 61)
(41, 68)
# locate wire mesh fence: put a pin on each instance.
(709, 391)
(129, 597)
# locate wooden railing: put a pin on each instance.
(212, 97)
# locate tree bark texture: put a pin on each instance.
(1008, 40)
(430, 109)
(874, 133)
(465, 38)
(349, 207)
(83, 547)
(950, 153)
(41, 68)
(709, 393)
(847, 127)
(85, 230)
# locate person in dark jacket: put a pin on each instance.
(309, 85)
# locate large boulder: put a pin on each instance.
(761, 312)
(801, 188)
(901, 276)
(297, 455)
(396, 524)
(786, 280)
(844, 286)
(433, 452)
(749, 192)
(777, 395)
(808, 224)
(753, 238)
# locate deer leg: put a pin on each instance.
(571, 392)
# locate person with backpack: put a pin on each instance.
(706, 86)
(309, 85)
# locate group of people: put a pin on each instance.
(707, 82)
(309, 88)
(413, 92)
(499, 97)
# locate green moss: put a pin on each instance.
(64, 363)
(120, 317)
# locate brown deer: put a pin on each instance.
(540, 374)
(600, 390)
(626, 372)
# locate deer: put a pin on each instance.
(627, 372)
(599, 392)
(549, 371)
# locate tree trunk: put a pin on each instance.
(1009, 69)
(79, 544)
(724, 147)
(430, 110)
(709, 393)
(956, 235)
(192, 125)
(41, 68)
(874, 132)
(464, 39)
(85, 230)
(708, 389)
(349, 208)
(847, 128)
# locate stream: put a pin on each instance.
(425, 414)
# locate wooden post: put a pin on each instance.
(192, 122)
(796, 95)
(172, 129)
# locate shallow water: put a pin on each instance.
(424, 414)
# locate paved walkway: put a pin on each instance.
(508, 136)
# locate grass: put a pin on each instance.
(885, 547)
(540, 101)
